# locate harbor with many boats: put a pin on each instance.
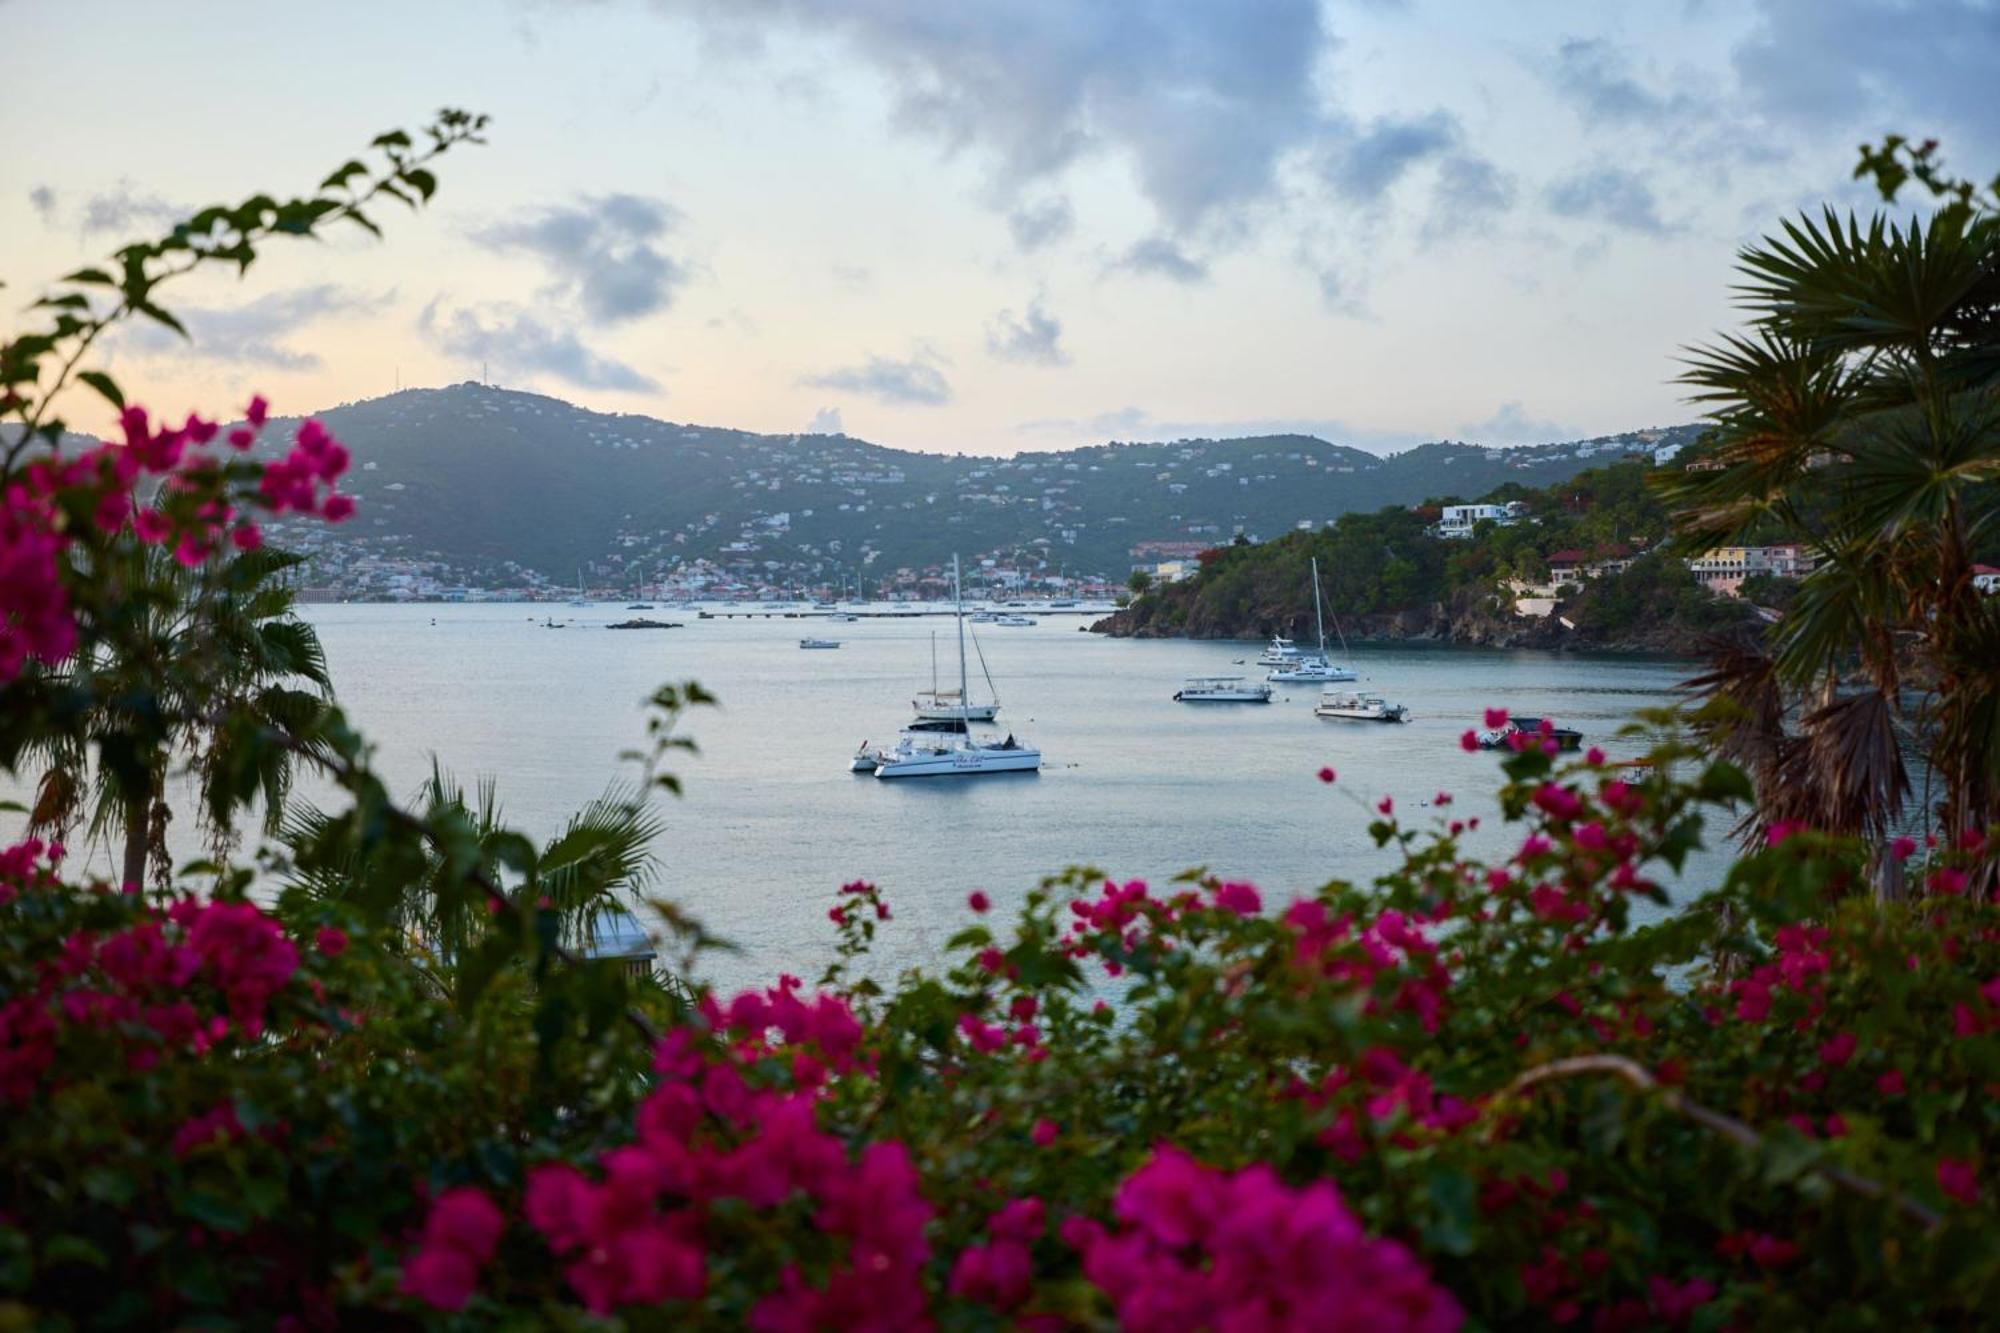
(1127, 779)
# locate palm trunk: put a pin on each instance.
(137, 824)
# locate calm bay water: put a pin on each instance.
(772, 822)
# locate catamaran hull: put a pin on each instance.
(961, 764)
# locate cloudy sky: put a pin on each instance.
(985, 225)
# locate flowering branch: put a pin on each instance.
(1632, 1072)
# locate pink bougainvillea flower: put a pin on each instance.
(978, 901)
(1044, 1133)
(1902, 849)
(1326, 775)
(1469, 742)
(331, 941)
(1496, 718)
(1958, 1180)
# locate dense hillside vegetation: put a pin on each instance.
(476, 476)
(1386, 574)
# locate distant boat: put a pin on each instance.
(1344, 706)
(643, 622)
(579, 599)
(1015, 622)
(1222, 690)
(936, 705)
(819, 643)
(1318, 666)
(1279, 652)
(1566, 738)
(843, 617)
(640, 606)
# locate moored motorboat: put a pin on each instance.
(819, 643)
(1279, 652)
(1346, 706)
(1015, 622)
(1530, 729)
(1222, 690)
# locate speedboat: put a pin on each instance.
(819, 643)
(1350, 707)
(983, 618)
(1279, 652)
(1014, 622)
(1222, 690)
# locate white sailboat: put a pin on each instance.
(960, 755)
(579, 599)
(936, 705)
(1315, 667)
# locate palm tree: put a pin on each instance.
(1859, 414)
(202, 661)
(585, 875)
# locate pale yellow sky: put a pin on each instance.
(1411, 220)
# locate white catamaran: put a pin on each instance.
(1315, 667)
(959, 754)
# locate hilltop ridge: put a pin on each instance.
(498, 483)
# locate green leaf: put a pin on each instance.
(105, 385)
(96, 276)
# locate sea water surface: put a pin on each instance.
(772, 822)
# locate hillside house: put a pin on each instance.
(1723, 569)
(1458, 521)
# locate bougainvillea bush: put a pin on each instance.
(263, 1092)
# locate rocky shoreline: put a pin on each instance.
(1468, 620)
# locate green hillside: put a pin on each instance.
(478, 476)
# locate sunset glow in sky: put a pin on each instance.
(984, 225)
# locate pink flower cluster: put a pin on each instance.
(460, 1236)
(1391, 948)
(136, 986)
(1001, 1272)
(192, 513)
(1241, 1251)
(708, 1137)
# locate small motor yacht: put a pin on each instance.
(819, 643)
(1279, 652)
(1015, 622)
(1348, 707)
(1222, 690)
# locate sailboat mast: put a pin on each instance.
(1319, 622)
(958, 614)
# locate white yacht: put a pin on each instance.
(1222, 690)
(819, 643)
(1280, 651)
(1350, 707)
(1014, 622)
(1313, 666)
(917, 756)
